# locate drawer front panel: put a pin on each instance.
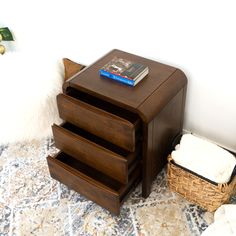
(91, 153)
(77, 177)
(106, 125)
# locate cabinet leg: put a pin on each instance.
(147, 159)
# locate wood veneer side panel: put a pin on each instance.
(158, 137)
(167, 124)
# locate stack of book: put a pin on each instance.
(124, 71)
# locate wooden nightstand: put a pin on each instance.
(115, 135)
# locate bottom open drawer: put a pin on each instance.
(91, 183)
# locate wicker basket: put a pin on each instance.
(197, 189)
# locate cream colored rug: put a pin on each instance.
(32, 203)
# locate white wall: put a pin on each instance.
(197, 36)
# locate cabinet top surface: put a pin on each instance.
(91, 82)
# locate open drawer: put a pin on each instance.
(105, 120)
(94, 151)
(92, 184)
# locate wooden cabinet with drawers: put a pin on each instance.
(115, 135)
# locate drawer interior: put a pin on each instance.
(104, 105)
(91, 183)
(88, 171)
(94, 175)
(95, 139)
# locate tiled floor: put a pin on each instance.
(32, 203)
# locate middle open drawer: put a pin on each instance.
(94, 151)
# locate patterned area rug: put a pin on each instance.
(32, 203)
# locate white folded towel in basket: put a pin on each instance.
(204, 158)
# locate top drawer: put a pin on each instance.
(112, 123)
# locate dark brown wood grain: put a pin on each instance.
(94, 151)
(160, 134)
(143, 118)
(100, 122)
(90, 183)
(91, 82)
(149, 109)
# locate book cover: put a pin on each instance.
(124, 71)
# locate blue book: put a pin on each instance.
(116, 77)
(124, 71)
